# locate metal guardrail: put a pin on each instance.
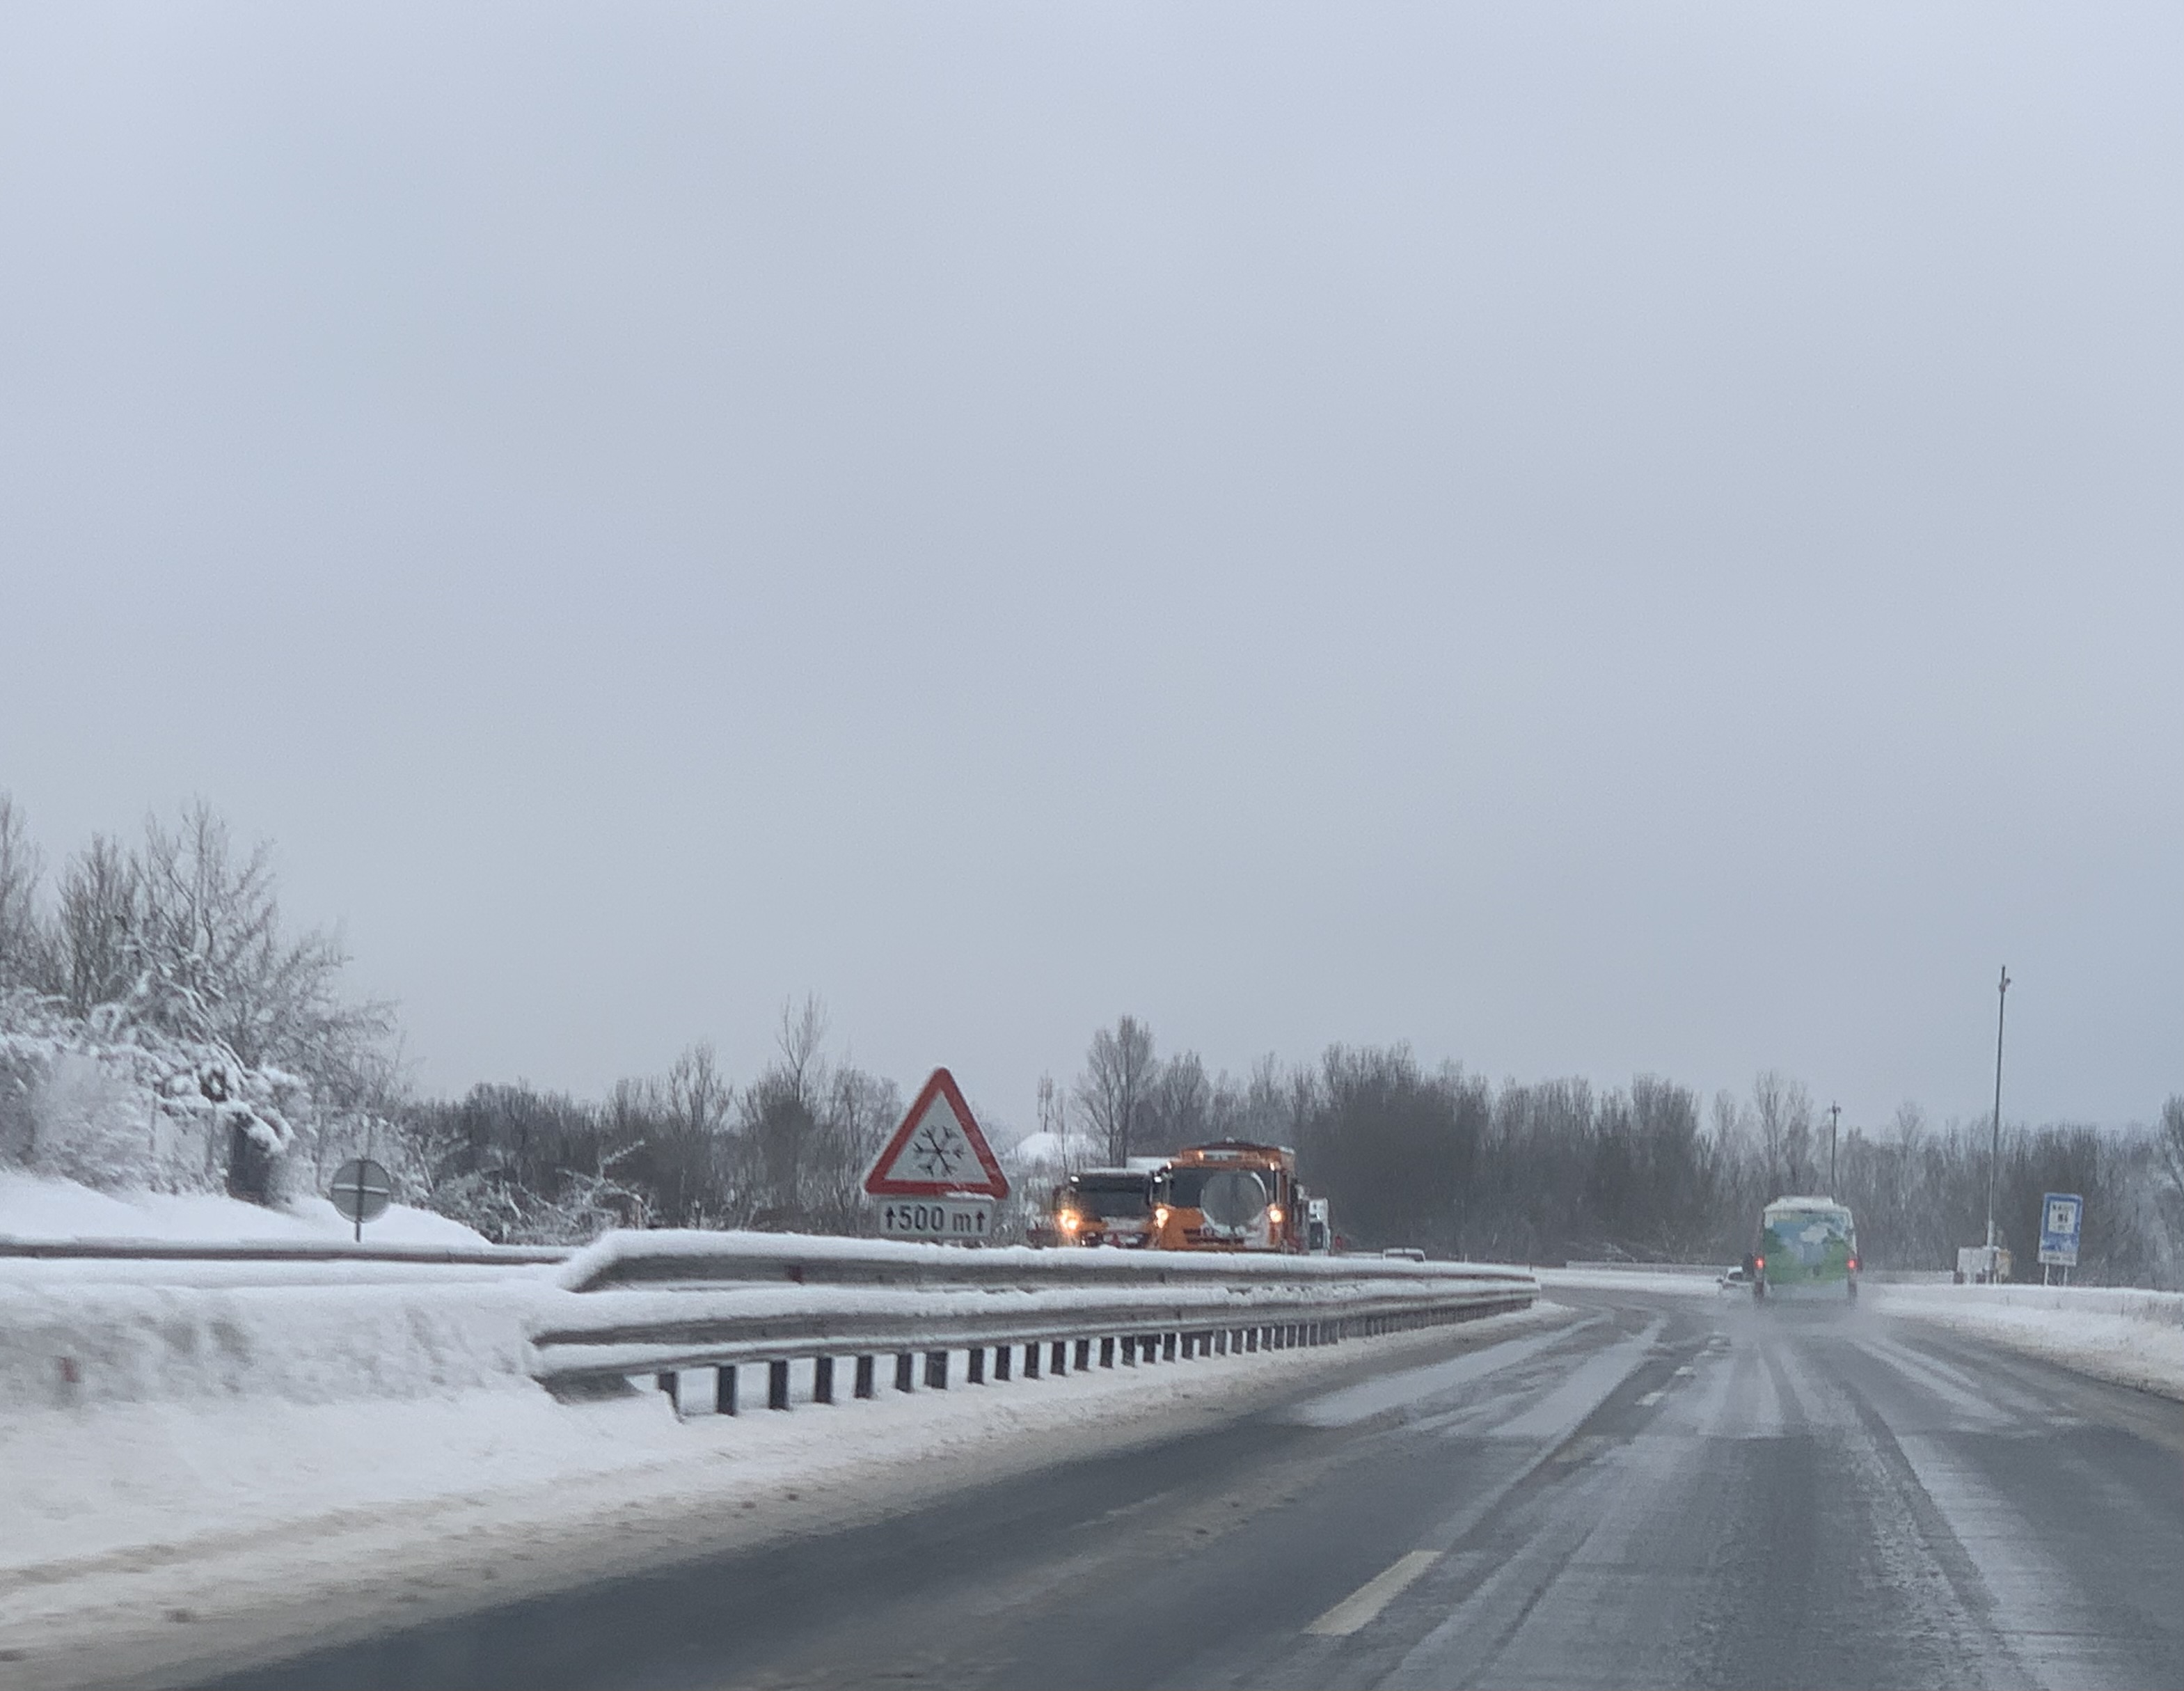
(277, 1251)
(665, 1304)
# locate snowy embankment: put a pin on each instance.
(35, 1209)
(2134, 1338)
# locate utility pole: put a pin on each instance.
(1994, 1154)
(1834, 1114)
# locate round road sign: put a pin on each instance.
(361, 1190)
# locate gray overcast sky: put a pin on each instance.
(1590, 539)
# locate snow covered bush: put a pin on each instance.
(115, 1105)
(159, 1028)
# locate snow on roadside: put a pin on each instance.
(34, 1207)
(1703, 1286)
(72, 1347)
(274, 1524)
(2133, 1338)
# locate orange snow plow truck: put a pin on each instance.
(1236, 1197)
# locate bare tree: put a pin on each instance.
(689, 1142)
(1782, 1110)
(2169, 1144)
(1118, 1069)
(101, 926)
(1178, 1107)
(22, 959)
(1910, 1127)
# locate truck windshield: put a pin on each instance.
(1184, 1187)
(1110, 1199)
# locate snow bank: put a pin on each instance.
(72, 1346)
(2134, 1338)
(34, 1207)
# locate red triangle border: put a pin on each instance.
(942, 1085)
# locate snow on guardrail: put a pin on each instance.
(669, 1302)
(77, 1344)
(315, 1324)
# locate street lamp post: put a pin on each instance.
(1834, 1114)
(1994, 1152)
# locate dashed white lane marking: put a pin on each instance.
(1651, 1399)
(1685, 1371)
(1360, 1608)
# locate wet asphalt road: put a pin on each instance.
(1673, 1493)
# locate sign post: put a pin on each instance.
(2062, 1219)
(361, 1190)
(937, 1178)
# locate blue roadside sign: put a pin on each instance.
(2062, 1213)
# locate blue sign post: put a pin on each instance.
(2062, 1216)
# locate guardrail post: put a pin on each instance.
(776, 1384)
(823, 1379)
(1084, 1354)
(1129, 1344)
(671, 1383)
(1031, 1360)
(936, 1369)
(1221, 1342)
(903, 1365)
(974, 1366)
(1004, 1359)
(1168, 1346)
(724, 1389)
(1106, 1353)
(864, 1376)
(1057, 1361)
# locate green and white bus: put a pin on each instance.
(1807, 1248)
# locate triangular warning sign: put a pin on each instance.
(937, 1150)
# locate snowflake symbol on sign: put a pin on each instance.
(937, 1150)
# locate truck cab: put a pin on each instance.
(1234, 1196)
(1106, 1206)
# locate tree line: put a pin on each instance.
(1556, 1170)
(162, 1027)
